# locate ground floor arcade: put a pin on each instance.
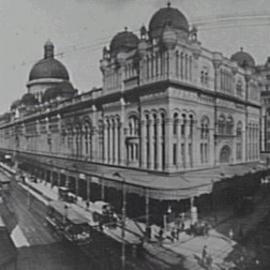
(148, 197)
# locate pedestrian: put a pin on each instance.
(209, 262)
(87, 204)
(160, 235)
(172, 234)
(204, 254)
(178, 230)
(231, 234)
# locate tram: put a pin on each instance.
(69, 224)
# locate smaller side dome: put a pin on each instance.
(15, 104)
(29, 100)
(243, 59)
(64, 90)
(123, 42)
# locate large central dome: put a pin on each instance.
(48, 67)
(167, 16)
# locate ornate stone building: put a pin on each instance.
(170, 118)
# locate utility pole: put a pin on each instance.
(124, 204)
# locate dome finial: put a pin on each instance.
(48, 49)
(241, 49)
(169, 4)
(126, 28)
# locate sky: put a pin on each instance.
(80, 29)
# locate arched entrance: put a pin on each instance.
(225, 154)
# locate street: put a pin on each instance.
(46, 250)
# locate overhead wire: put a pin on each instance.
(202, 23)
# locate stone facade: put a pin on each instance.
(166, 105)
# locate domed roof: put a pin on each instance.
(243, 59)
(167, 16)
(15, 104)
(29, 100)
(48, 67)
(64, 89)
(124, 41)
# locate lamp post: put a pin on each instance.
(124, 204)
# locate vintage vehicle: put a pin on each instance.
(69, 224)
(64, 194)
(103, 213)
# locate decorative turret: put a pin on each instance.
(169, 38)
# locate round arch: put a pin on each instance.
(225, 154)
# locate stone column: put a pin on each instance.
(105, 142)
(110, 135)
(151, 144)
(116, 148)
(122, 133)
(143, 144)
(159, 146)
(196, 143)
(93, 134)
(178, 148)
(187, 142)
(168, 144)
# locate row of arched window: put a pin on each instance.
(204, 79)
(225, 125)
(225, 80)
(133, 145)
(80, 139)
(157, 65)
(155, 140)
(183, 65)
(253, 141)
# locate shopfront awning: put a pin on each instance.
(182, 185)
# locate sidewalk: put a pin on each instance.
(219, 246)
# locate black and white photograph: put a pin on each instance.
(134, 135)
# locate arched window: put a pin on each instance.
(147, 67)
(229, 125)
(147, 140)
(175, 123)
(132, 145)
(186, 67)
(155, 127)
(157, 64)
(239, 129)
(239, 141)
(202, 77)
(191, 122)
(204, 145)
(133, 126)
(239, 88)
(221, 125)
(225, 154)
(190, 67)
(182, 65)
(183, 125)
(206, 78)
(162, 117)
(177, 63)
